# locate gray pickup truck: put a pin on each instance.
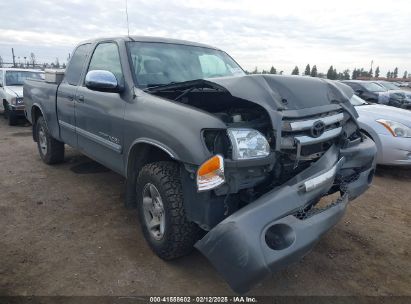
(229, 163)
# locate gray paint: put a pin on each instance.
(106, 126)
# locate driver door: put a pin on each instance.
(99, 115)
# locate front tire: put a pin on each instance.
(9, 115)
(51, 150)
(13, 119)
(161, 211)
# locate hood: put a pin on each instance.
(385, 112)
(14, 90)
(283, 92)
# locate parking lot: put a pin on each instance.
(64, 231)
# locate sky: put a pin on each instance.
(256, 33)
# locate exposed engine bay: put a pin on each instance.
(293, 148)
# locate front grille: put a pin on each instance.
(312, 130)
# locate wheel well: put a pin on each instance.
(35, 114)
(368, 134)
(142, 154)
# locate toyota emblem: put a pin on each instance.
(318, 128)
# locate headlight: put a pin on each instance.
(395, 128)
(16, 101)
(248, 144)
(13, 101)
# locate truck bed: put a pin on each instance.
(40, 95)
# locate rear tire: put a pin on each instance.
(51, 150)
(161, 211)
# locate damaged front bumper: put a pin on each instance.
(269, 233)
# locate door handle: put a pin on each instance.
(70, 97)
(80, 98)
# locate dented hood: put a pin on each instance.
(283, 92)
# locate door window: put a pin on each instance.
(106, 57)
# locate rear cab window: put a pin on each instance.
(76, 64)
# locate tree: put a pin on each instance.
(371, 72)
(377, 72)
(314, 71)
(389, 74)
(295, 71)
(255, 71)
(354, 74)
(307, 70)
(405, 75)
(1, 62)
(273, 70)
(331, 73)
(395, 72)
(32, 59)
(57, 65)
(64, 65)
(346, 75)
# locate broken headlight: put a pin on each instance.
(248, 144)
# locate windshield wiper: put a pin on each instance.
(154, 87)
(197, 83)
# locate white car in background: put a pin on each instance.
(389, 127)
(11, 91)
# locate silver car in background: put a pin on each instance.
(11, 91)
(389, 127)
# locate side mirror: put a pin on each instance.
(100, 80)
(359, 92)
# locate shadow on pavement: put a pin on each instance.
(394, 172)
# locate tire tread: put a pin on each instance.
(182, 233)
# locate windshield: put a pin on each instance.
(373, 87)
(17, 78)
(390, 86)
(357, 101)
(163, 63)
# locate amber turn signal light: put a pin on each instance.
(211, 173)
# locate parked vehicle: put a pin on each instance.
(368, 91)
(375, 93)
(403, 84)
(403, 97)
(11, 91)
(389, 128)
(206, 149)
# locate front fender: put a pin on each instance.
(171, 126)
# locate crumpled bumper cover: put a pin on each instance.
(265, 236)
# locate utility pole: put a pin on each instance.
(14, 58)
